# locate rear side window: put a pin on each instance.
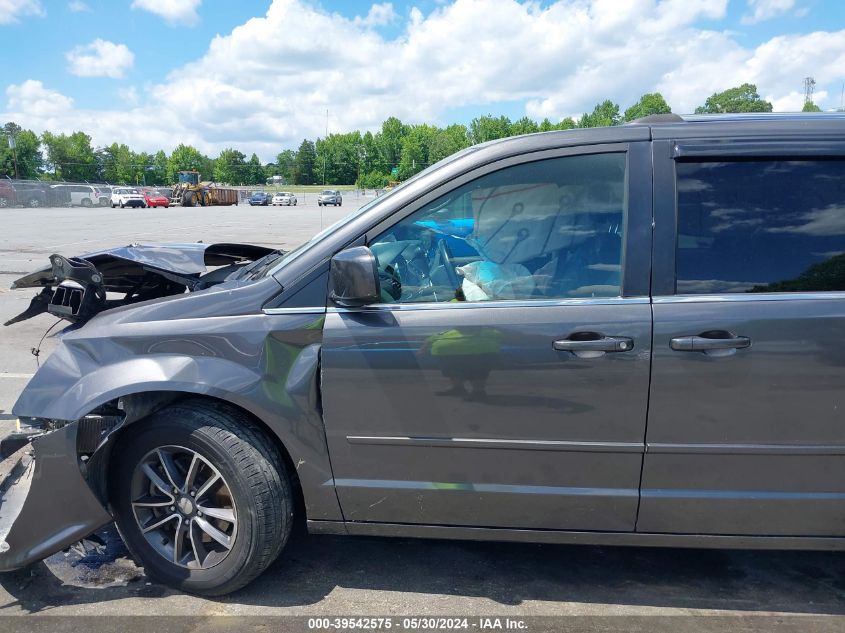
(761, 226)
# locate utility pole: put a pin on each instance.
(325, 139)
(13, 144)
(809, 88)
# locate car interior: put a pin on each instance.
(543, 230)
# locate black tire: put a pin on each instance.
(188, 199)
(251, 467)
(104, 202)
(86, 202)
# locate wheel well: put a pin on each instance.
(98, 466)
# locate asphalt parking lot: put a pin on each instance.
(322, 575)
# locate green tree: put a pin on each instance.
(71, 156)
(604, 114)
(143, 168)
(185, 158)
(650, 103)
(524, 126)
(255, 171)
(117, 164)
(742, 98)
(809, 106)
(306, 156)
(338, 157)
(370, 157)
(285, 165)
(564, 124)
(416, 146)
(373, 180)
(448, 141)
(488, 128)
(28, 152)
(230, 167)
(390, 142)
(158, 174)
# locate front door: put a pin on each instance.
(746, 430)
(503, 380)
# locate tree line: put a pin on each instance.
(394, 153)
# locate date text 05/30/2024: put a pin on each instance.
(417, 623)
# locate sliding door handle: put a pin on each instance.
(708, 341)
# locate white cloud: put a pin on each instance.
(260, 92)
(100, 58)
(174, 12)
(766, 10)
(77, 6)
(378, 15)
(32, 97)
(794, 101)
(129, 95)
(12, 10)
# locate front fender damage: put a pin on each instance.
(47, 505)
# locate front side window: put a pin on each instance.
(761, 226)
(551, 229)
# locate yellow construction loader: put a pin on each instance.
(190, 192)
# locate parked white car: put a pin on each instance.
(85, 195)
(329, 197)
(126, 197)
(284, 198)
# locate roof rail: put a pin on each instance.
(668, 117)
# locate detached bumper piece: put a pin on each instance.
(45, 503)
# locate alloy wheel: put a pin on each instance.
(183, 507)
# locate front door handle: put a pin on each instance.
(593, 342)
(710, 341)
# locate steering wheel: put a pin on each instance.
(446, 260)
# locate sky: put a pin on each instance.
(262, 75)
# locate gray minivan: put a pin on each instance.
(619, 336)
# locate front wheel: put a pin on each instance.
(201, 497)
(87, 203)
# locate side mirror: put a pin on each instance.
(353, 278)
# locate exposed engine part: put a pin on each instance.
(77, 288)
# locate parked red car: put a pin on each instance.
(155, 199)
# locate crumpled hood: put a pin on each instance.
(78, 288)
(183, 259)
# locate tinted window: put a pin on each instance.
(547, 229)
(761, 226)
